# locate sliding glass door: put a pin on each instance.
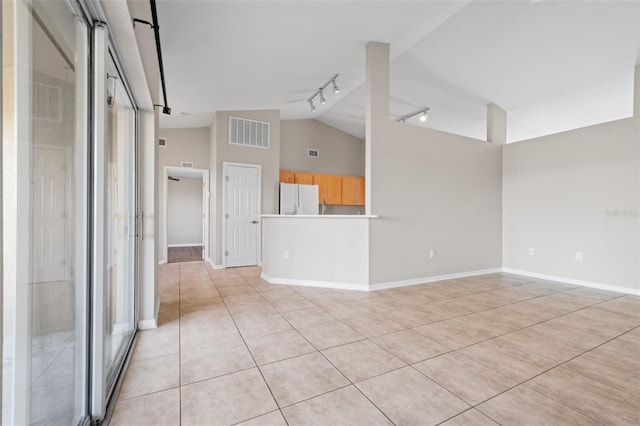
(45, 87)
(115, 207)
(69, 249)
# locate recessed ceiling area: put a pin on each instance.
(552, 65)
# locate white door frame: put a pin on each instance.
(204, 173)
(223, 210)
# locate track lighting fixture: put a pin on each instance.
(320, 92)
(424, 115)
(336, 89)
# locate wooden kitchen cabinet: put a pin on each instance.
(352, 191)
(336, 190)
(304, 178)
(329, 188)
(287, 176)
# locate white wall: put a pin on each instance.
(576, 191)
(340, 153)
(431, 189)
(184, 211)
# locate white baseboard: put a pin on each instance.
(150, 323)
(162, 261)
(313, 283)
(147, 324)
(565, 280)
(213, 265)
(185, 245)
(431, 279)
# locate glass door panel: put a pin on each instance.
(120, 241)
(114, 221)
(45, 212)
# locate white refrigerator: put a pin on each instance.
(298, 199)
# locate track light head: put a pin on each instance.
(336, 89)
(322, 99)
(424, 115)
(312, 106)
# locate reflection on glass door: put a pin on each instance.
(120, 222)
(44, 212)
(114, 218)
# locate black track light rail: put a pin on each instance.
(156, 30)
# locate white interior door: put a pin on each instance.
(242, 214)
(51, 210)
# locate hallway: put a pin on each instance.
(482, 350)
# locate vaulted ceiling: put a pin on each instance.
(553, 65)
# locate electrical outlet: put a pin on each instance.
(432, 253)
(286, 254)
(579, 256)
(532, 251)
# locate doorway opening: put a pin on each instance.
(186, 214)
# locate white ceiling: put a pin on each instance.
(553, 65)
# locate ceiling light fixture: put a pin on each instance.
(320, 92)
(423, 112)
(322, 99)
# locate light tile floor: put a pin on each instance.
(494, 349)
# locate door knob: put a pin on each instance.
(254, 221)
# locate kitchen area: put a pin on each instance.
(304, 245)
(320, 238)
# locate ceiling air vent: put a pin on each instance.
(47, 102)
(162, 142)
(186, 164)
(248, 132)
(314, 153)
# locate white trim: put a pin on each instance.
(565, 280)
(204, 173)
(147, 324)
(213, 265)
(162, 262)
(225, 165)
(434, 278)
(98, 238)
(312, 283)
(150, 323)
(185, 245)
(320, 216)
(375, 287)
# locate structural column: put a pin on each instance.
(377, 107)
(496, 124)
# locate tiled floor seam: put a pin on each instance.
(546, 371)
(344, 375)
(255, 417)
(465, 411)
(508, 332)
(250, 353)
